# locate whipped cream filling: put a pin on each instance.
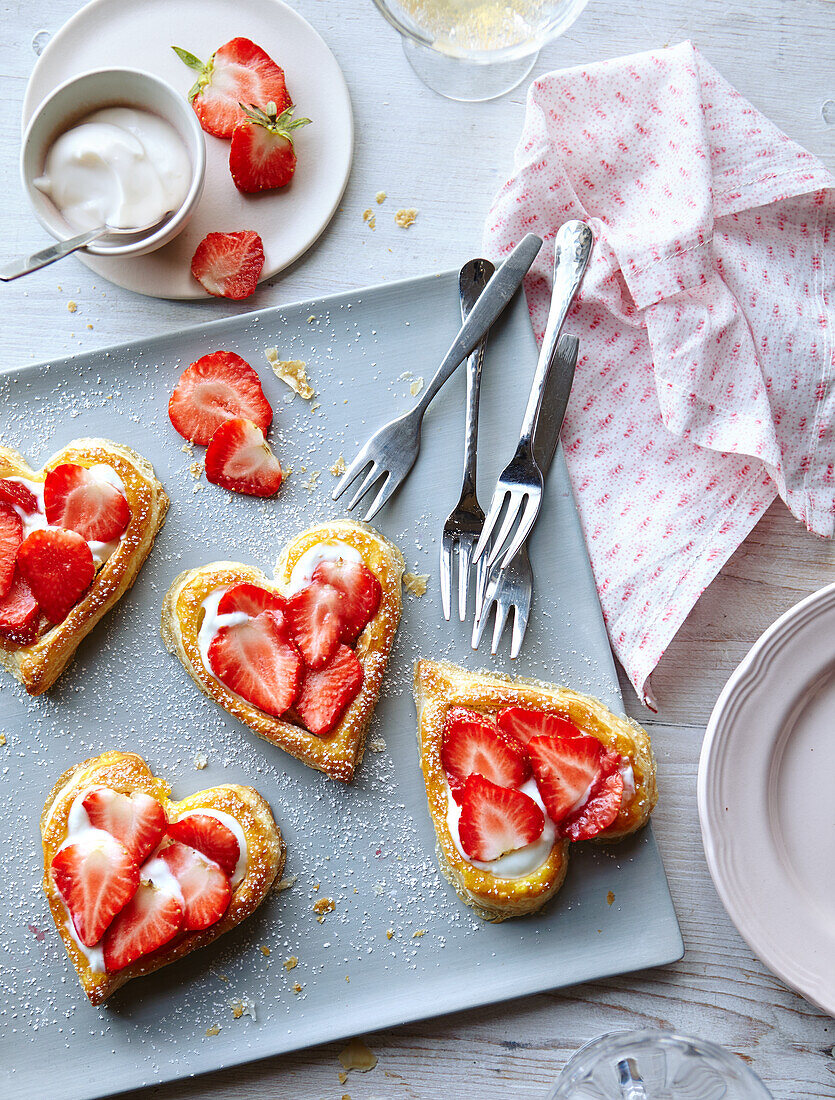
(304, 568)
(234, 826)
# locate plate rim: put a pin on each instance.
(746, 677)
(199, 294)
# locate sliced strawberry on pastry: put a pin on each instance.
(209, 836)
(326, 693)
(251, 599)
(77, 501)
(566, 770)
(495, 820)
(151, 918)
(137, 820)
(238, 458)
(205, 887)
(598, 813)
(314, 615)
(13, 492)
(456, 788)
(473, 744)
(58, 567)
(257, 660)
(361, 590)
(96, 876)
(11, 536)
(229, 265)
(523, 724)
(217, 387)
(19, 612)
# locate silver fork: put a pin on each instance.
(510, 587)
(464, 523)
(518, 492)
(392, 450)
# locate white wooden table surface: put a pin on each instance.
(447, 160)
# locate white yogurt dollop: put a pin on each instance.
(118, 166)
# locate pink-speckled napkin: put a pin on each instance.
(706, 324)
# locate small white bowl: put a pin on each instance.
(80, 96)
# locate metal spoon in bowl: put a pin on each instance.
(60, 249)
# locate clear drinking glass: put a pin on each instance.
(477, 49)
(656, 1065)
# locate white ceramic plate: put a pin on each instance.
(767, 798)
(109, 33)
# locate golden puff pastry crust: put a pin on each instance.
(126, 772)
(38, 665)
(438, 685)
(339, 753)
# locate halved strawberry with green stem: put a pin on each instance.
(150, 919)
(495, 820)
(19, 612)
(238, 71)
(217, 387)
(77, 501)
(262, 155)
(523, 724)
(58, 567)
(96, 876)
(257, 660)
(229, 265)
(136, 820)
(206, 890)
(326, 693)
(11, 536)
(473, 744)
(238, 458)
(206, 834)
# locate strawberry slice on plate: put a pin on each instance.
(251, 599)
(262, 155)
(96, 876)
(217, 387)
(137, 820)
(598, 813)
(361, 590)
(523, 724)
(150, 919)
(473, 744)
(239, 72)
(19, 612)
(77, 501)
(206, 889)
(240, 459)
(209, 836)
(58, 567)
(13, 492)
(229, 265)
(326, 693)
(257, 660)
(11, 536)
(566, 770)
(495, 820)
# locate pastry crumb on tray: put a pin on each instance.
(291, 371)
(416, 583)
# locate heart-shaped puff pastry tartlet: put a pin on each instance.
(515, 771)
(299, 659)
(136, 881)
(73, 537)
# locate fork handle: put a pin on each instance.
(571, 257)
(486, 311)
(472, 280)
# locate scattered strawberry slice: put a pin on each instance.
(77, 501)
(239, 72)
(19, 612)
(96, 877)
(495, 819)
(206, 889)
(11, 536)
(361, 590)
(566, 770)
(262, 155)
(12, 492)
(524, 724)
(229, 265)
(314, 615)
(257, 660)
(58, 567)
(473, 744)
(598, 813)
(217, 387)
(327, 692)
(150, 919)
(206, 834)
(251, 599)
(240, 459)
(137, 820)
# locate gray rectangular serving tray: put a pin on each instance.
(369, 846)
